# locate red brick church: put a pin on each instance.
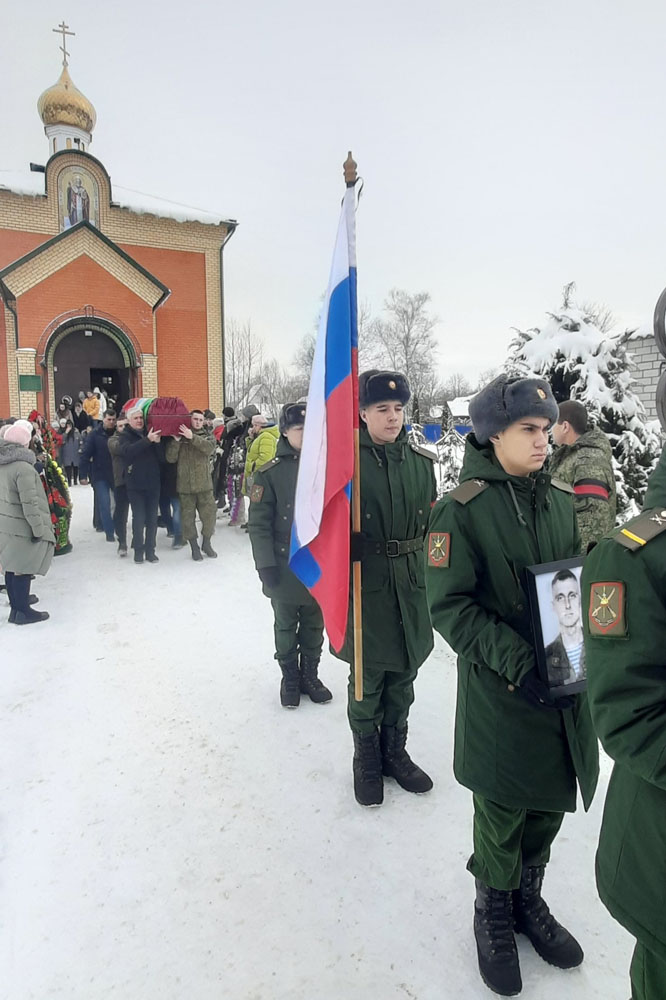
(100, 286)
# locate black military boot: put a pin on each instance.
(396, 762)
(495, 943)
(368, 782)
(533, 918)
(208, 549)
(310, 683)
(196, 552)
(290, 686)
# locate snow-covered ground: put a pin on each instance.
(169, 832)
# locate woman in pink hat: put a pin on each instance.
(27, 540)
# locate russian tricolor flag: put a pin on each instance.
(319, 553)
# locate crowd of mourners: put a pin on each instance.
(203, 471)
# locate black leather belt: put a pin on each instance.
(391, 547)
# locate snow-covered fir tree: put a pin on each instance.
(450, 453)
(416, 435)
(582, 362)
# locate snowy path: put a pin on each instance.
(169, 832)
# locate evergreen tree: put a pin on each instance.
(582, 362)
(416, 435)
(450, 453)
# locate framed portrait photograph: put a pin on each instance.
(557, 624)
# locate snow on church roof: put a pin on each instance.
(26, 182)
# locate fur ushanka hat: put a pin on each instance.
(505, 400)
(292, 415)
(375, 386)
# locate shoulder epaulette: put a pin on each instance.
(559, 484)
(423, 451)
(468, 490)
(269, 465)
(642, 529)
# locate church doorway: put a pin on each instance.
(114, 382)
(89, 358)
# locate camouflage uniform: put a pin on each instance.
(587, 466)
(194, 481)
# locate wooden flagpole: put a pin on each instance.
(351, 177)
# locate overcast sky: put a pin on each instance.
(506, 147)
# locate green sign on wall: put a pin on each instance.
(30, 383)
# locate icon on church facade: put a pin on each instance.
(78, 198)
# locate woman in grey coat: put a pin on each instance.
(27, 539)
(69, 452)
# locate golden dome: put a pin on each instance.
(63, 104)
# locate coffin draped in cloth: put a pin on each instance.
(162, 413)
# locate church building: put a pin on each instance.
(99, 286)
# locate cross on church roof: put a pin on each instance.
(62, 29)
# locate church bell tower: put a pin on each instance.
(68, 116)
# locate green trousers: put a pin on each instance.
(203, 502)
(506, 840)
(297, 627)
(387, 698)
(648, 975)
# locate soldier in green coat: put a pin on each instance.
(624, 594)
(299, 625)
(520, 750)
(397, 490)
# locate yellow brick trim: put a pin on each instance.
(81, 243)
(25, 361)
(214, 332)
(149, 375)
(39, 213)
(12, 370)
(50, 378)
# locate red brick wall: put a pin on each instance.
(15, 244)
(182, 342)
(75, 285)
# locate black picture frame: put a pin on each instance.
(555, 668)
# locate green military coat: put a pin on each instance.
(587, 466)
(624, 595)
(269, 523)
(193, 474)
(482, 536)
(397, 490)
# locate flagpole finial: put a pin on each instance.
(349, 167)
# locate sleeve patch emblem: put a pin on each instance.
(256, 493)
(439, 549)
(607, 609)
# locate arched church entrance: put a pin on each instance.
(86, 355)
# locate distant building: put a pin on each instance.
(459, 413)
(648, 366)
(258, 395)
(99, 285)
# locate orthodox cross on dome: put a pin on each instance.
(62, 29)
